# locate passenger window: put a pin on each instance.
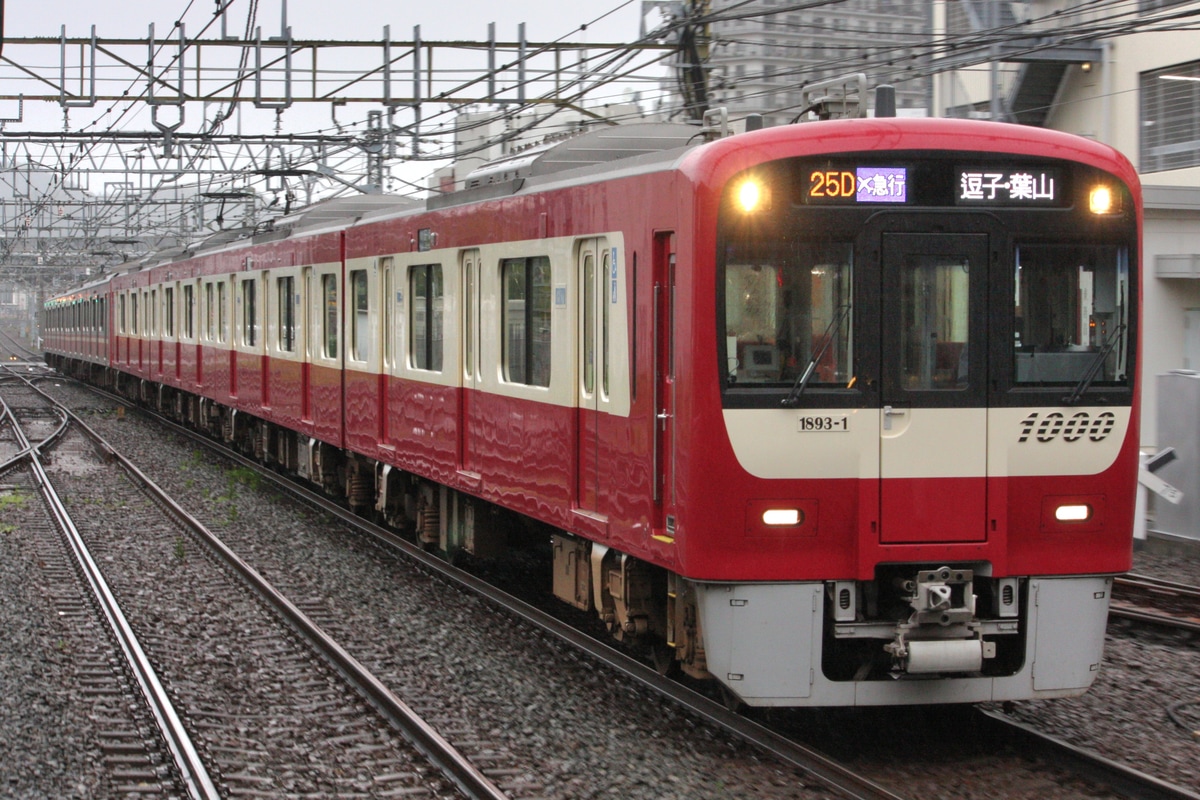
(222, 314)
(249, 313)
(287, 314)
(329, 303)
(189, 300)
(169, 311)
(526, 320)
(426, 323)
(360, 331)
(389, 311)
(209, 312)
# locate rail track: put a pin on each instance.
(848, 781)
(213, 743)
(1152, 601)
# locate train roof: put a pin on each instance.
(590, 153)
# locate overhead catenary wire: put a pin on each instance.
(436, 136)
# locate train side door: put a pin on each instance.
(595, 263)
(664, 379)
(470, 277)
(305, 341)
(933, 424)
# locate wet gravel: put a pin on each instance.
(1144, 709)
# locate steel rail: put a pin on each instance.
(453, 765)
(187, 760)
(1130, 782)
(1129, 590)
(805, 759)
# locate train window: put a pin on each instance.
(249, 312)
(526, 320)
(285, 288)
(329, 302)
(222, 314)
(209, 313)
(389, 311)
(169, 311)
(788, 310)
(189, 316)
(152, 313)
(1070, 314)
(121, 314)
(608, 279)
(133, 313)
(934, 317)
(426, 324)
(360, 330)
(589, 323)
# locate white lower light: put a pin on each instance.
(1072, 513)
(781, 516)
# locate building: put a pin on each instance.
(1127, 74)
(762, 53)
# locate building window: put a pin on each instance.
(1150, 6)
(425, 284)
(1170, 114)
(526, 320)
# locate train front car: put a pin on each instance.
(913, 410)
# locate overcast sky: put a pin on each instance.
(608, 21)
(321, 19)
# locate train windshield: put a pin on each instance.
(788, 311)
(1070, 314)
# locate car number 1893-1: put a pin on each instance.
(812, 423)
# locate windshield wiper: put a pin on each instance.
(802, 379)
(1094, 368)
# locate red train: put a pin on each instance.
(839, 413)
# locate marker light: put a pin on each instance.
(753, 196)
(1102, 201)
(782, 517)
(1074, 513)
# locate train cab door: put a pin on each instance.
(592, 259)
(933, 403)
(471, 373)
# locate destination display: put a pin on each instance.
(1011, 187)
(932, 184)
(858, 185)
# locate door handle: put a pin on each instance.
(663, 416)
(889, 412)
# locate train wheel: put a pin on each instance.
(662, 655)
